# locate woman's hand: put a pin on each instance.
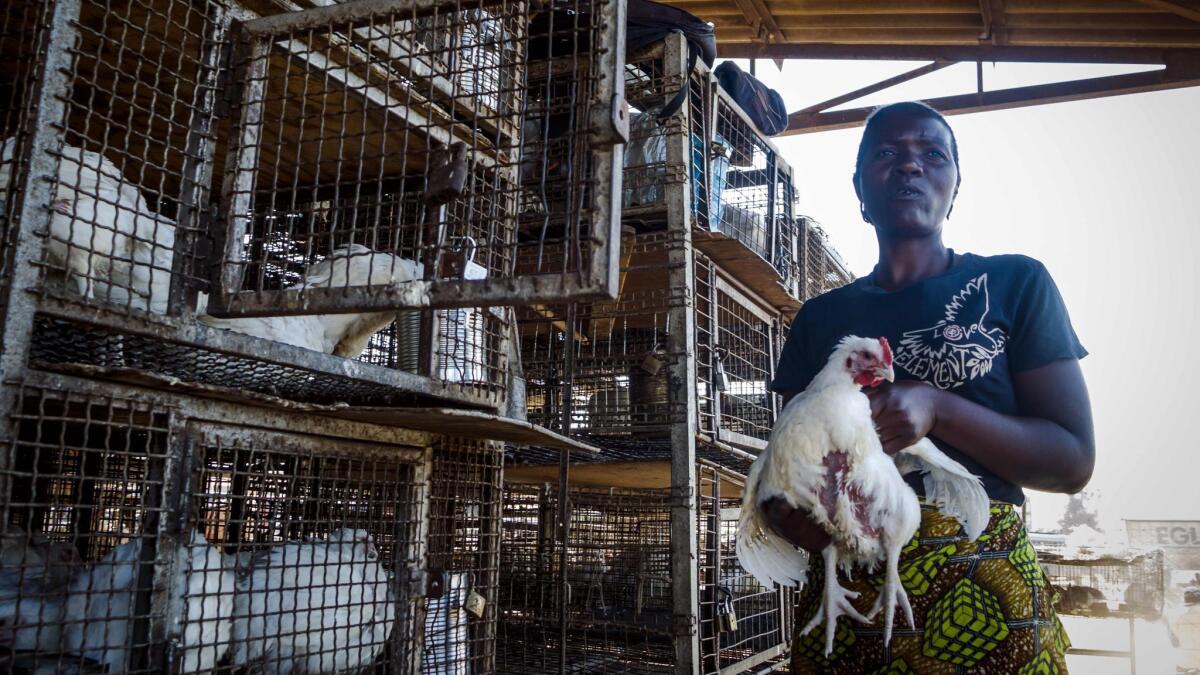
(795, 525)
(904, 413)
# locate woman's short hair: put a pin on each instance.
(918, 108)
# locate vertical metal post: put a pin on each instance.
(564, 488)
(411, 621)
(43, 124)
(714, 330)
(1132, 649)
(681, 344)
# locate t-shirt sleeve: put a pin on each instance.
(1041, 330)
(794, 370)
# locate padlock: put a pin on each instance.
(652, 364)
(726, 614)
(720, 379)
(474, 604)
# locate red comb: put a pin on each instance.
(887, 351)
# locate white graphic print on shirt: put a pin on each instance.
(957, 349)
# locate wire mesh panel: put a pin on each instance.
(742, 624)
(85, 493)
(323, 537)
(751, 194)
(824, 269)
(605, 361)
(392, 134)
(652, 78)
(464, 548)
(617, 587)
(130, 164)
(735, 360)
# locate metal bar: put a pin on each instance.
(358, 10)
(412, 603)
(1132, 649)
(935, 52)
(872, 88)
(1101, 652)
(761, 657)
(1016, 97)
(564, 491)
(193, 212)
(714, 532)
(241, 166)
(1176, 8)
(43, 125)
(681, 387)
(608, 159)
(714, 331)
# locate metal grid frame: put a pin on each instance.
(177, 503)
(602, 368)
(751, 196)
(823, 269)
(135, 170)
(436, 99)
(1131, 586)
(618, 588)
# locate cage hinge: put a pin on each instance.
(610, 126)
(430, 583)
(683, 625)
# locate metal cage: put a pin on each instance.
(155, 533)
(376, 157)
(1128, 586)
(602, 602)
(823, 269)
(608, 376)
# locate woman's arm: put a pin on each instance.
(1050, 446)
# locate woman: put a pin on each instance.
(987, 365)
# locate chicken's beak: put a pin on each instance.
(886, 373)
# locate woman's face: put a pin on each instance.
(907, 179)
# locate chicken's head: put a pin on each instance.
(867, 360)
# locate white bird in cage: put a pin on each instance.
(345, 335)
(102, 232)
(34, 560)
(314, 607)
(101, 606)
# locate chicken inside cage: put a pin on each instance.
(292, 554)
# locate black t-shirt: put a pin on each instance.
(966, 331)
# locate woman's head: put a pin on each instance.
(906, 174)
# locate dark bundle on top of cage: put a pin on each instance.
(612, 581)
(364, 159)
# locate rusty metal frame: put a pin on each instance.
(607, 128)
(1174, 76)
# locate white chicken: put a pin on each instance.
(825, 458)
(103, 233)
(314, 607)
(345, 335)
(33, 561)
(100, 606)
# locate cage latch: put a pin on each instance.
(448, 168)
(610, 127)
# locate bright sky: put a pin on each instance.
(1107, 194)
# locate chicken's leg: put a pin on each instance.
(892, 593)
(836, 602)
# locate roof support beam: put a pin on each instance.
(993, 21)
(1001, 54)
(872, 88)
(1174, 7)
(1016, 97)
(766, 28)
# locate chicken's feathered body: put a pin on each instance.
(341, 334)
(314, 607)
(103, 233)
(824, 457)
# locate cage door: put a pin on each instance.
(390, 154)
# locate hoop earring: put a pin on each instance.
(862, 209)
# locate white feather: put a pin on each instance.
(314, 607)
(949, 485)
(206, 583)
(341, 334)
(764, 554)
(103, 233)
(100, 607)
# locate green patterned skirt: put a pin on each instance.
(980, 607)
